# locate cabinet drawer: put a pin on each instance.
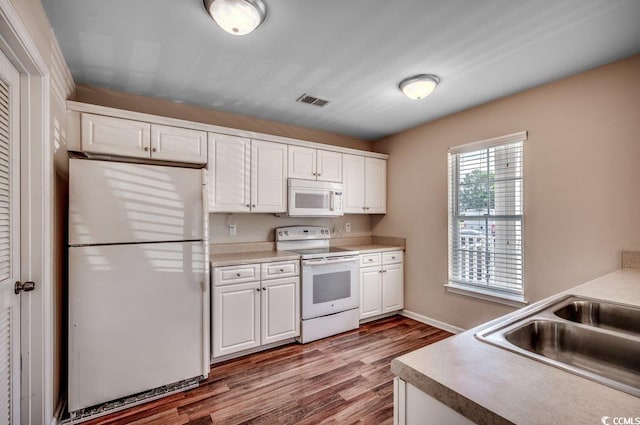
(280, 269)
(392, 257)
(367, 260)
(236, 274)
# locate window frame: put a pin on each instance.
(498, 293)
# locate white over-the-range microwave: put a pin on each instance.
(310, 198)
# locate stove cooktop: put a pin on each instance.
(323, 252)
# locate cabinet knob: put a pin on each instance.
(258, 289)
(248, 205)
(281, 270)
(318, 174)
(370, 259)
(238, 274)
(253, 206)
(264, 289)
(154, 150)
(146, 148)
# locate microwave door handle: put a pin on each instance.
(320, 262)
(332, 195)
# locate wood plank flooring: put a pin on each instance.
(344, 379)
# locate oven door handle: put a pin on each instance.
(336, 261)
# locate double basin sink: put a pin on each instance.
(598, 340)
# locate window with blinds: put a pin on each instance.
(485, 216)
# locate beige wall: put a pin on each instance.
(154, 106)
(582, 187)
(259, 227)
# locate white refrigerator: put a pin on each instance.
(138, 279)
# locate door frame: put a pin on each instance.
(36, 164)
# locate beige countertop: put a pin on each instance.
(238, 258)
(363, 249)
(489, 384)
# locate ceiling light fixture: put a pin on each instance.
(419, 86)
(237, 17)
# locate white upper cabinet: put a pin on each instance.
(268, 177)
(353, 175)
(118, 136)
(375, 182)
(115, 136)
(365, 185)
(329, 167)
(246, 175)
(314, 164)
(229, 173)
(178, 144)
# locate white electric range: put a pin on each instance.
(330, 281)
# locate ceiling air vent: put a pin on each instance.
(305, 98)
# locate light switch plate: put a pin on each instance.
(232, 230)
(347, 227)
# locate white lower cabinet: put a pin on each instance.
(381, 283)
(414, 407)
(279, 313)
(247, 315)
(236, 318)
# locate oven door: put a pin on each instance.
(329, 286)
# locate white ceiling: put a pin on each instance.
(353, 53)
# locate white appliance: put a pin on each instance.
(138, 285)
(310, 198)
(330, 281)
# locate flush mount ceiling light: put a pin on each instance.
(419, 86)
(237, 17)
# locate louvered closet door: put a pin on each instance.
(9, 248)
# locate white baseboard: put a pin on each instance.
(433, 322)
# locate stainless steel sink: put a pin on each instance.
(595, 339)
(603, 315)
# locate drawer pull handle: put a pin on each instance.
(393, 258)
(370, 259)
(238, 274)
(281, 270)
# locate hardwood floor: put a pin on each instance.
(344, 379)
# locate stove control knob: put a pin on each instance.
(286, 232)
(280, 233)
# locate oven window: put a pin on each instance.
(310, 200)
(331, 287)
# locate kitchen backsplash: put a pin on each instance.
(630, 259)
(259, 227)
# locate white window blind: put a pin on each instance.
(485, 215)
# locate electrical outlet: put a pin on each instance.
(347, 227)
(232, 230)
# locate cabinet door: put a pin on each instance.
(236, 318)
(353, 183)
(329, 166)
(268, 177)
(280, 309)
(375, 198)
(115, 136)
(178, 144)
(370, 292)
(392, 288)
(302, 163)
(229, 173)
